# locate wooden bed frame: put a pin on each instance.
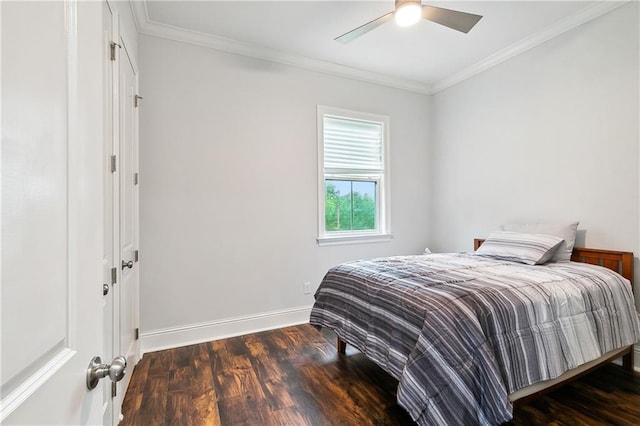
(618, 261)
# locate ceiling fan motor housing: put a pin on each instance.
(407, 12)
(402, 2)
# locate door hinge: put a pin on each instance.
(113, 163)
(136, 100)
(135, 255)
(114, 389)
(137, 333)
(136, 178)
(113, 46)
(114, 275)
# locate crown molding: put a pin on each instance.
(157, 29)
(140, 13)
(527, 43)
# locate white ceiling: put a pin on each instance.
(426, 57)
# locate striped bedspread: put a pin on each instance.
(460, 332)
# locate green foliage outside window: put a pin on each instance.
(350, 205)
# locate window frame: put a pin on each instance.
(382, 231)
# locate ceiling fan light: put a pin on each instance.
(408, 13)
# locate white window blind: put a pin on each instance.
(352, 145)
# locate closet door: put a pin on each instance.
(128, 210)
(121, 216)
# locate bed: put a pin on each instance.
(467, 337)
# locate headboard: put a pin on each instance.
(618, 261)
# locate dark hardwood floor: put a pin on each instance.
(293, 376)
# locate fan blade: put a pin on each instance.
(363, 29)
(460, 21)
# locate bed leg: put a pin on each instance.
(342, 346)
(627, 360)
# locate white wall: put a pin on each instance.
(228, 197)
(550, 135)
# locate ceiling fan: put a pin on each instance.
(408, 12)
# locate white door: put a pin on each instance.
(52, 120)
(128, 211)
(121, 214)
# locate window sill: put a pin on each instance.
(353, 239)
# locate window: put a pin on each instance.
(352, 176)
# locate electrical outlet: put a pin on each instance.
(306, 287)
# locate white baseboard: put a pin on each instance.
(174, 337)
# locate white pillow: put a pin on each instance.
(565, 231)
(530, 249)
